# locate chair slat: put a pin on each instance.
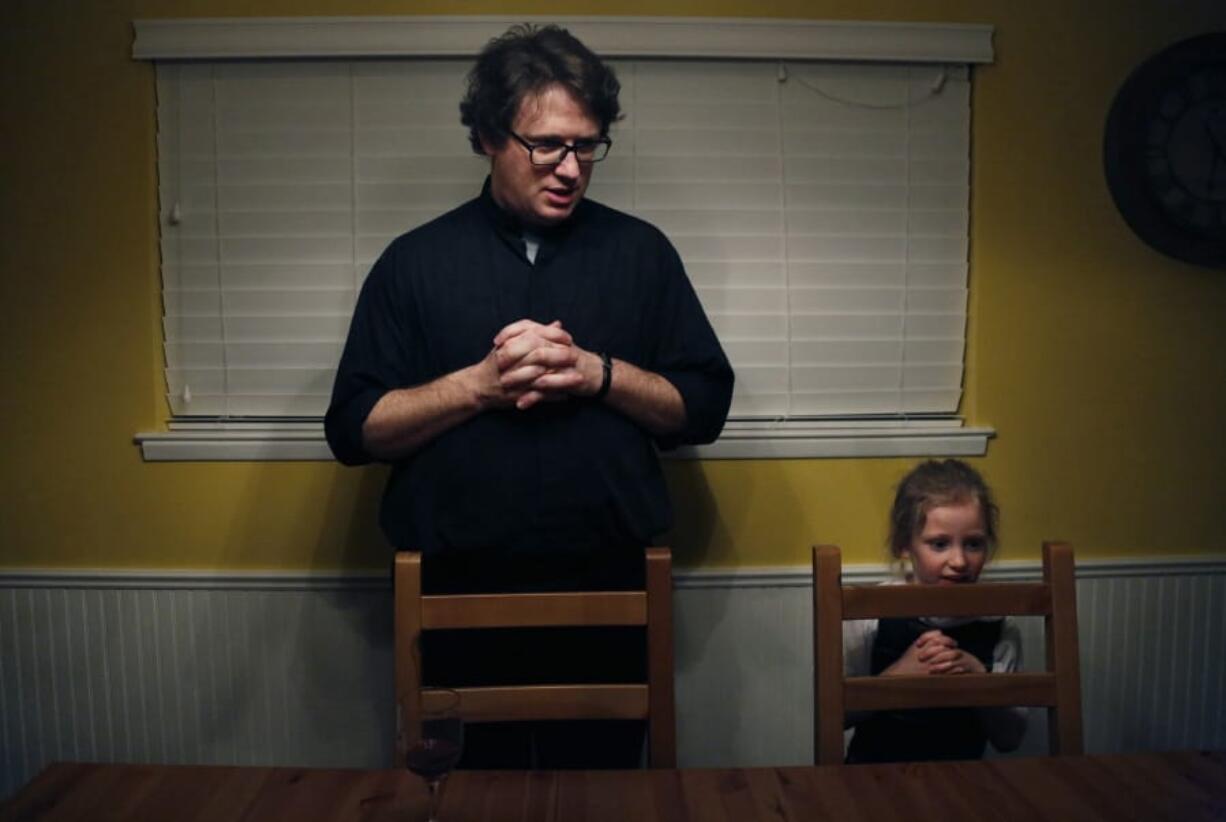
(533, 610)
(827, 655)
(406, 629)
(1063, 649)
(877, 693)
(661, 720)
(537, 702)
(1001, 599)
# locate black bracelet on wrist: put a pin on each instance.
(606, 366)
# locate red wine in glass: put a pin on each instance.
(438, 750)
(432, 759)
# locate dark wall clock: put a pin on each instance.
(1164, 150)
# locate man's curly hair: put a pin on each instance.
(525, 61)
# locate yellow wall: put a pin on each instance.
(1101, 364)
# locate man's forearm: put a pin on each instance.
(405, 419)
(647, 398)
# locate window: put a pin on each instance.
(821, 209)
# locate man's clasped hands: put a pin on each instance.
(532, 362)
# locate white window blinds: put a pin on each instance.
(820, 208)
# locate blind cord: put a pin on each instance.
(217, 245)
(906, 269)
(783, 216)
(934, 89)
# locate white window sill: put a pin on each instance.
(213, 442)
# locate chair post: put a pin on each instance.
(406, 651)
(661, 722)
(1063, 653)
(827, 655)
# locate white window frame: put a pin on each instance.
(612, 37)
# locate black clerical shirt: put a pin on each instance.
(572, 476)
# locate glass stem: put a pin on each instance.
(434, 785)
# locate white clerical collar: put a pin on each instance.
(532, 244)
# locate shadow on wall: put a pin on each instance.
(696, 527)
(330, 691)
(289, 654)
(742, 651)
(696, 520)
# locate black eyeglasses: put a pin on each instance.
(552, 152)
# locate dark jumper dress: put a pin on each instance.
(930, 733)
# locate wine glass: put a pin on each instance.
(436, 752)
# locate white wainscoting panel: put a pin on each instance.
(215, 675)
(297, 669)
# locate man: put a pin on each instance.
(519, 359)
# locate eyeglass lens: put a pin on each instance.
(548, 154)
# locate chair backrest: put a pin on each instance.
(1059, 689)
(651, 608)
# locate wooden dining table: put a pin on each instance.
(1185, 786)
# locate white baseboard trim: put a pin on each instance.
(789, 576)
(195, 580)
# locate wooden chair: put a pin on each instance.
(1059, 689)
(652, 700)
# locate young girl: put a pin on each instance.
(943, 525)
